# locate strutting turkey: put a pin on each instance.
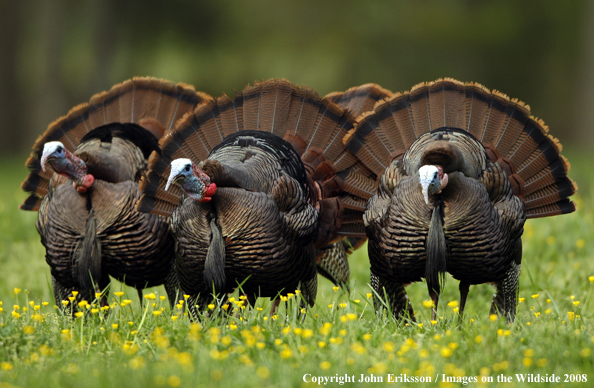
(256, 188)
(460, 169)
(90, 228)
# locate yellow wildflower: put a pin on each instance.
(175, 381)
(445, 352)
(6, 365)
(262, 372)
(286, 353)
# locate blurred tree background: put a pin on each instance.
(56, 54)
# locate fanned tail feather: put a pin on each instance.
(160, 102)
(359, 99)
(314, 126)
(513, 138)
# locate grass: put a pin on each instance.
(136, 346)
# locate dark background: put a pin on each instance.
(56, 54)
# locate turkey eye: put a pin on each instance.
(187, 168)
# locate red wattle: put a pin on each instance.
(88, 181)
(210, 190)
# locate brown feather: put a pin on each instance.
(510, 135)
(131, 101)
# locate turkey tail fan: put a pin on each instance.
(152, 103)
(515, 139)
(359, 99)
(314, 127)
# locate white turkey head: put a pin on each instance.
(193, 181)
(433, 180)
(65, 163)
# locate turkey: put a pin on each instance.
(256, 188)
(84, 182)
(460, 169)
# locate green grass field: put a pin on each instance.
(155, 346)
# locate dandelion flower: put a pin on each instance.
(580, 243)
(6, 365)
(325, 365)
(286, 353)
(445, 352)
(262, 372)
